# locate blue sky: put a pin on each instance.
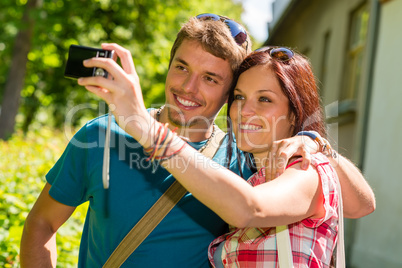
(257, 13)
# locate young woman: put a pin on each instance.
(276, 97)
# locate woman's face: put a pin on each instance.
(260, 111)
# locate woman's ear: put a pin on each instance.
(292, 121)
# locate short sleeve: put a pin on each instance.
(329, 182)
(67, 176)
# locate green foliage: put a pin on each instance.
(146, 27)
(25, 160)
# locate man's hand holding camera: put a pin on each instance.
(121, 91)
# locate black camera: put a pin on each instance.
(77, 54)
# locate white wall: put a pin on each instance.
(278, 8)
(379, 236)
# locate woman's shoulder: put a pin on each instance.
(319, 159)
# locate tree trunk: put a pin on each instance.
(16, 76)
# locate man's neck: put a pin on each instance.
(195, 133)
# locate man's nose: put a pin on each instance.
(190, 84)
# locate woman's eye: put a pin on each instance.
(238, 97)
(264, 99)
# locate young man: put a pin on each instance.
(203, 59)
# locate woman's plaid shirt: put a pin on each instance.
(312, 240)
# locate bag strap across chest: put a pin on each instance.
(157, 212)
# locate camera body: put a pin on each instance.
(77, 54)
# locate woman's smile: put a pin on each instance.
(245, 127)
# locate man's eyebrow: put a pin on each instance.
(181, 61)
(208, 73)
(215, 75)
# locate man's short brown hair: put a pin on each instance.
(215, 38)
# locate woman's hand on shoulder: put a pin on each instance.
(282, 151)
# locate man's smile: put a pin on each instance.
(185, 103)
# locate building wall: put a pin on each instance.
(379, 236)
(320, 30)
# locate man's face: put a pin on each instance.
(197, 86)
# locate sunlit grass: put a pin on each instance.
(24, 162)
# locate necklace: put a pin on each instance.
(158, 115)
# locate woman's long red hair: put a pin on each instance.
(297, 82)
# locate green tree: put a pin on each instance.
(146, 27)
(15, 79)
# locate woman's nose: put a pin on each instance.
(247, 109)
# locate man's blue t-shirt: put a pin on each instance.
(180, 240)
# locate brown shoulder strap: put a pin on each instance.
(157, 212)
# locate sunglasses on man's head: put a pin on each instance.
(282, 54)
(238, 32)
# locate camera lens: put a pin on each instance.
(99, 72)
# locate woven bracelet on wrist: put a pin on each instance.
(324, 146)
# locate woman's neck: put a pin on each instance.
(261, 159)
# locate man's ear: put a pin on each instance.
(227, 97)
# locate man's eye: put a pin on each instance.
(210, 79)
(180, 67)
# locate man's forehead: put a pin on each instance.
(191, 52)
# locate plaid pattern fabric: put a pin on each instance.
(312, 240)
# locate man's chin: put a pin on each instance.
(178, 119)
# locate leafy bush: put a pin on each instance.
(24, 162)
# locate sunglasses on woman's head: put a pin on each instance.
(282, 54)
(238, 32)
